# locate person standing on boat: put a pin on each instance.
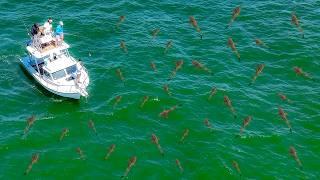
(47, 27)
(59, 33)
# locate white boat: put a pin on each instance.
(51, 65)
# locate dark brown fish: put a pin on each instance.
(208, 124)
(284, 98)
(145, 99)
(79, 151)
(30, 122)
(260, 43)
(179, 165)
(123, 46)
(198, 65)
(132, 162)
(245, 123)
(155, 140)
(194, 23)
(119, 74)
(232, 45)
(168, 46)
(64, 133)
(34, 160)
(283, 116)
(110, 150)
(259, 69)
(235, 13)
(166, 89)
(300, 72)
(184, 135)
(117, 100)
(294, 154)
(155, 33)
(295, 21)
(153, 66)
(236, 166)
(165, 113)
(121, 20)
(228, 103)
(92, 126)
(178, 66)
(212, 93)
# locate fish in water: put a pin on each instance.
(132, 162)
(34, 160)
(284, 98)
(212, 93)
(198, 65)
(155, 32)
(178, 66)
(245, 123)
(283, 116)
(259, 42)
(119, 74)
(168, 46)
(295, 21)
(184, 135)
(153, 66)
(300, 72)
(165, 113)
(110, 150)
(293, 153)
(194, 23)
(30, 122)
(117, 100)
(235, 13)
(232, 45)
(166, 89)
(121, 20)
(64, 133)
(80, 152)
(145, 99)
(236, 166)
(123, 46)
(228, 103)
(92, 126)
(179, 165)
(259, 70)
(155, 140)
(208, 124)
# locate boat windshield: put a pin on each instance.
(59, 74)
(71, 69)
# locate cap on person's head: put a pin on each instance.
(61, 23)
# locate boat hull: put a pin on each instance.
(36, 76)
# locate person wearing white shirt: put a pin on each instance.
(47, 27)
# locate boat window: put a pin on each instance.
(71, 69)
(58, 74)
(47, 75)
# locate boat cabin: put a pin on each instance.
(52, 61)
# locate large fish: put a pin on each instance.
(232, 45)
(228, 103)
(259, 70)
(295, 21)
(235, 13)
(132, 162)
(283, 116)
(34, 160)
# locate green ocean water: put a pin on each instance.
(263, 150)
